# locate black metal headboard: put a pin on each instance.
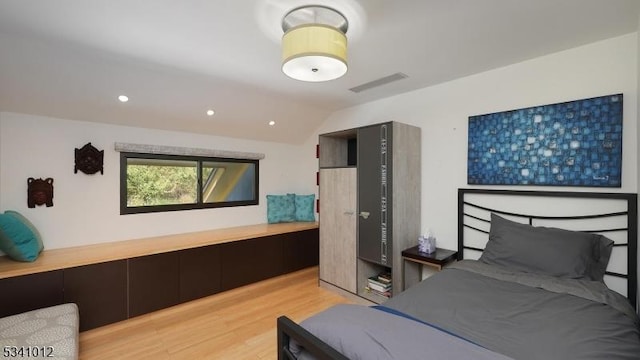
(616, 215)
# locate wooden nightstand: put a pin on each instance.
(437, 259)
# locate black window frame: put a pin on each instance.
(125, 210)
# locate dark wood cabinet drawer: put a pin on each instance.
(30, 292)
(99, 290)
(248, 261)
(300, 250)
(154, 282)
(200, 272)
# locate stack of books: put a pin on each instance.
(380, 284)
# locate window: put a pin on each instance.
(152, 183)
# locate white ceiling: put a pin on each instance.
(176, 59)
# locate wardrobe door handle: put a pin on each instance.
(364, 214)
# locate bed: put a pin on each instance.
(540, 275)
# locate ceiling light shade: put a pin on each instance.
(314, 46)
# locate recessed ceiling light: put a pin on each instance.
(210, 112)
(123, 98)
(271, 123)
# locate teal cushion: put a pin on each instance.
(19, 239)
(280, 208)
(304, 207)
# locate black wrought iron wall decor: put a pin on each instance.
(39, 192)
(89, 160)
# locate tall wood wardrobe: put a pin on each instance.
(369, 205)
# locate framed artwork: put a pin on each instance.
(575, 143)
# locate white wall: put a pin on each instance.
(86, 207)
(638, 157)
(0, 158)
(442, 111)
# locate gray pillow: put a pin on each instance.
(549, 251)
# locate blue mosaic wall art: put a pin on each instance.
(576, 143)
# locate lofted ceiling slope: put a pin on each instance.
(177, 59)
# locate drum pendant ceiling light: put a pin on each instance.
(314, 44)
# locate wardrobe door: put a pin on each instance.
(374, 194)
(338, 227)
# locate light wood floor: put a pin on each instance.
(237, 324)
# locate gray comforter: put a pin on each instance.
(526, 316)
(477, 311)
(365, 333)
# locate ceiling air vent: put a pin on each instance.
(379, 82)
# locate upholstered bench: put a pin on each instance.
(47, 332)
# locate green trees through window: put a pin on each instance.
(156, 183)
(152, 183)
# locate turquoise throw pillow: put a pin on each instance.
(304, 207)
(281, 208)
(19, 239)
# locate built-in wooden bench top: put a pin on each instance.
(91, 254)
